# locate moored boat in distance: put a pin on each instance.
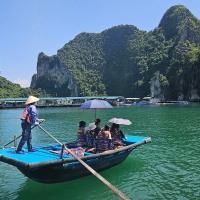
(148, 101)
(47, 165)
(173, 102)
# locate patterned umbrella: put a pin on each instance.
(95, 104)
(120, 121)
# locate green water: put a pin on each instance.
(167, 168)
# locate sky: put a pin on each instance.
(28, 27)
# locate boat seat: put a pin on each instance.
(77, 151)
(60, 148)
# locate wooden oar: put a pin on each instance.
(112, 187)
(18, 137)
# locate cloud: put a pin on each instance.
(23, 83)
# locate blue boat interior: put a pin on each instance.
(43, 153)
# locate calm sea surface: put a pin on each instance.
(167, 168)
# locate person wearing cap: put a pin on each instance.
(81, 134)
(28, 118)
(90, 139)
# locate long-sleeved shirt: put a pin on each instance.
(32, 110)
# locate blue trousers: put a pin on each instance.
(26, 136)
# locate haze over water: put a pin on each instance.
(167, 168)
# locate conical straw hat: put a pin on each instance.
(31, 99)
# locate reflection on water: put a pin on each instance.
(167, 168)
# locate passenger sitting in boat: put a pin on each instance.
(103, 141)
(81, 134)
(90, 140)
(97, 129)
(117, 135)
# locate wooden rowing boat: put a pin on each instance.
(46, 166)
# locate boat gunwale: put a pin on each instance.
(37, 165)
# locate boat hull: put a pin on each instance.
(46, 166)
(70, 171)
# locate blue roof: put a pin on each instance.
(13, 99)
(59, 98)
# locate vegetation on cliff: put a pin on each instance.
(12, 90)
(122, 60)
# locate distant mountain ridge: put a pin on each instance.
(123, 60)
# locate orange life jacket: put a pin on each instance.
(117, 137)
(102, 141)
(27, 117)
(90, 138)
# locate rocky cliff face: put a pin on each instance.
(155, 87)
(194, 96)
(160, 92)
(52, 69)
(33, 81)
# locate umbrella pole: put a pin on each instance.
(95, 113)
(103, 180)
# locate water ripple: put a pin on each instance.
(168, 168)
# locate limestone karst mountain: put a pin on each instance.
(124, 60)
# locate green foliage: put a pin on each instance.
(184, 69)
(12, 90)
(163, 81)
(8, 89)
(49, 87)
(123, 59)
